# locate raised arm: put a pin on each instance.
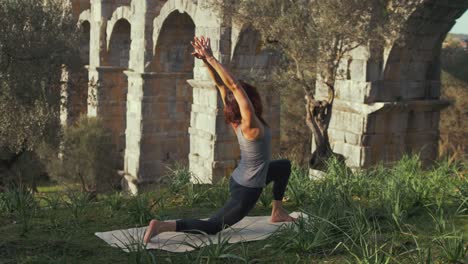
(219, 83)
(213, 74)
(202, 47)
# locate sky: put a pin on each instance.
(461, 27)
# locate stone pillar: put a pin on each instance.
(100, 12)
(141, 48)
(203, 128)
(134, 128)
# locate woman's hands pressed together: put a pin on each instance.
(202, 48)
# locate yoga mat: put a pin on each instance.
(251, 228)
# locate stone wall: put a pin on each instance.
(166, 118)
(112, 104)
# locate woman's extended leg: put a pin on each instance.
(242, 200)
(278, 173)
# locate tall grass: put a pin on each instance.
(218, 194)
(138, 254)
(453, 246)
(53, 201)
(266, 196)
(19, 202)
(299, 186)
(216, 249)
(178, 177)
(140, 209)
(404, 213)
(77, 202)
(363, 211)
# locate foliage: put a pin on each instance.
(77, 202)
(266, 196)
(87, 155)
(453, 124)
(19, 201)
(178, 177)
(194, 195)
(218, 194)
(299, 186)
(138, 253)
(453, 61)
(214, 249)
(114, 202)
(140, 209)
(35, 41)
(53, 201)
(453, 246)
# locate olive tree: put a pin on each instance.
(36, 39)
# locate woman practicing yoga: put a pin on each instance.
(243, 111)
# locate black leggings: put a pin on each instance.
(242, 200)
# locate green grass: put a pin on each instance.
(402, 214)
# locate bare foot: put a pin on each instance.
(280, 215)
(156, 227)
(151, 231)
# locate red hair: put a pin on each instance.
(232, 111)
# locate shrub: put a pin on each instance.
(88, 157)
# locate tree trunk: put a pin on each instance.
(318, 115)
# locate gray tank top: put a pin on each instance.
(255, 158)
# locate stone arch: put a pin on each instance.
(84, 16)
(248, 52)
(119, 44)
(251, 60)
(411, 78)
(168, 98)
(417, 60)
(172, 56)
(122, 12)
(182, 6)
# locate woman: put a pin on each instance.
(243, 111)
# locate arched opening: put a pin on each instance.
(248, 53)
(168, 98)
(113, 86)
(119, 48)
(412, 75)
(252, 62)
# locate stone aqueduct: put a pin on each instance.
(161, 106)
